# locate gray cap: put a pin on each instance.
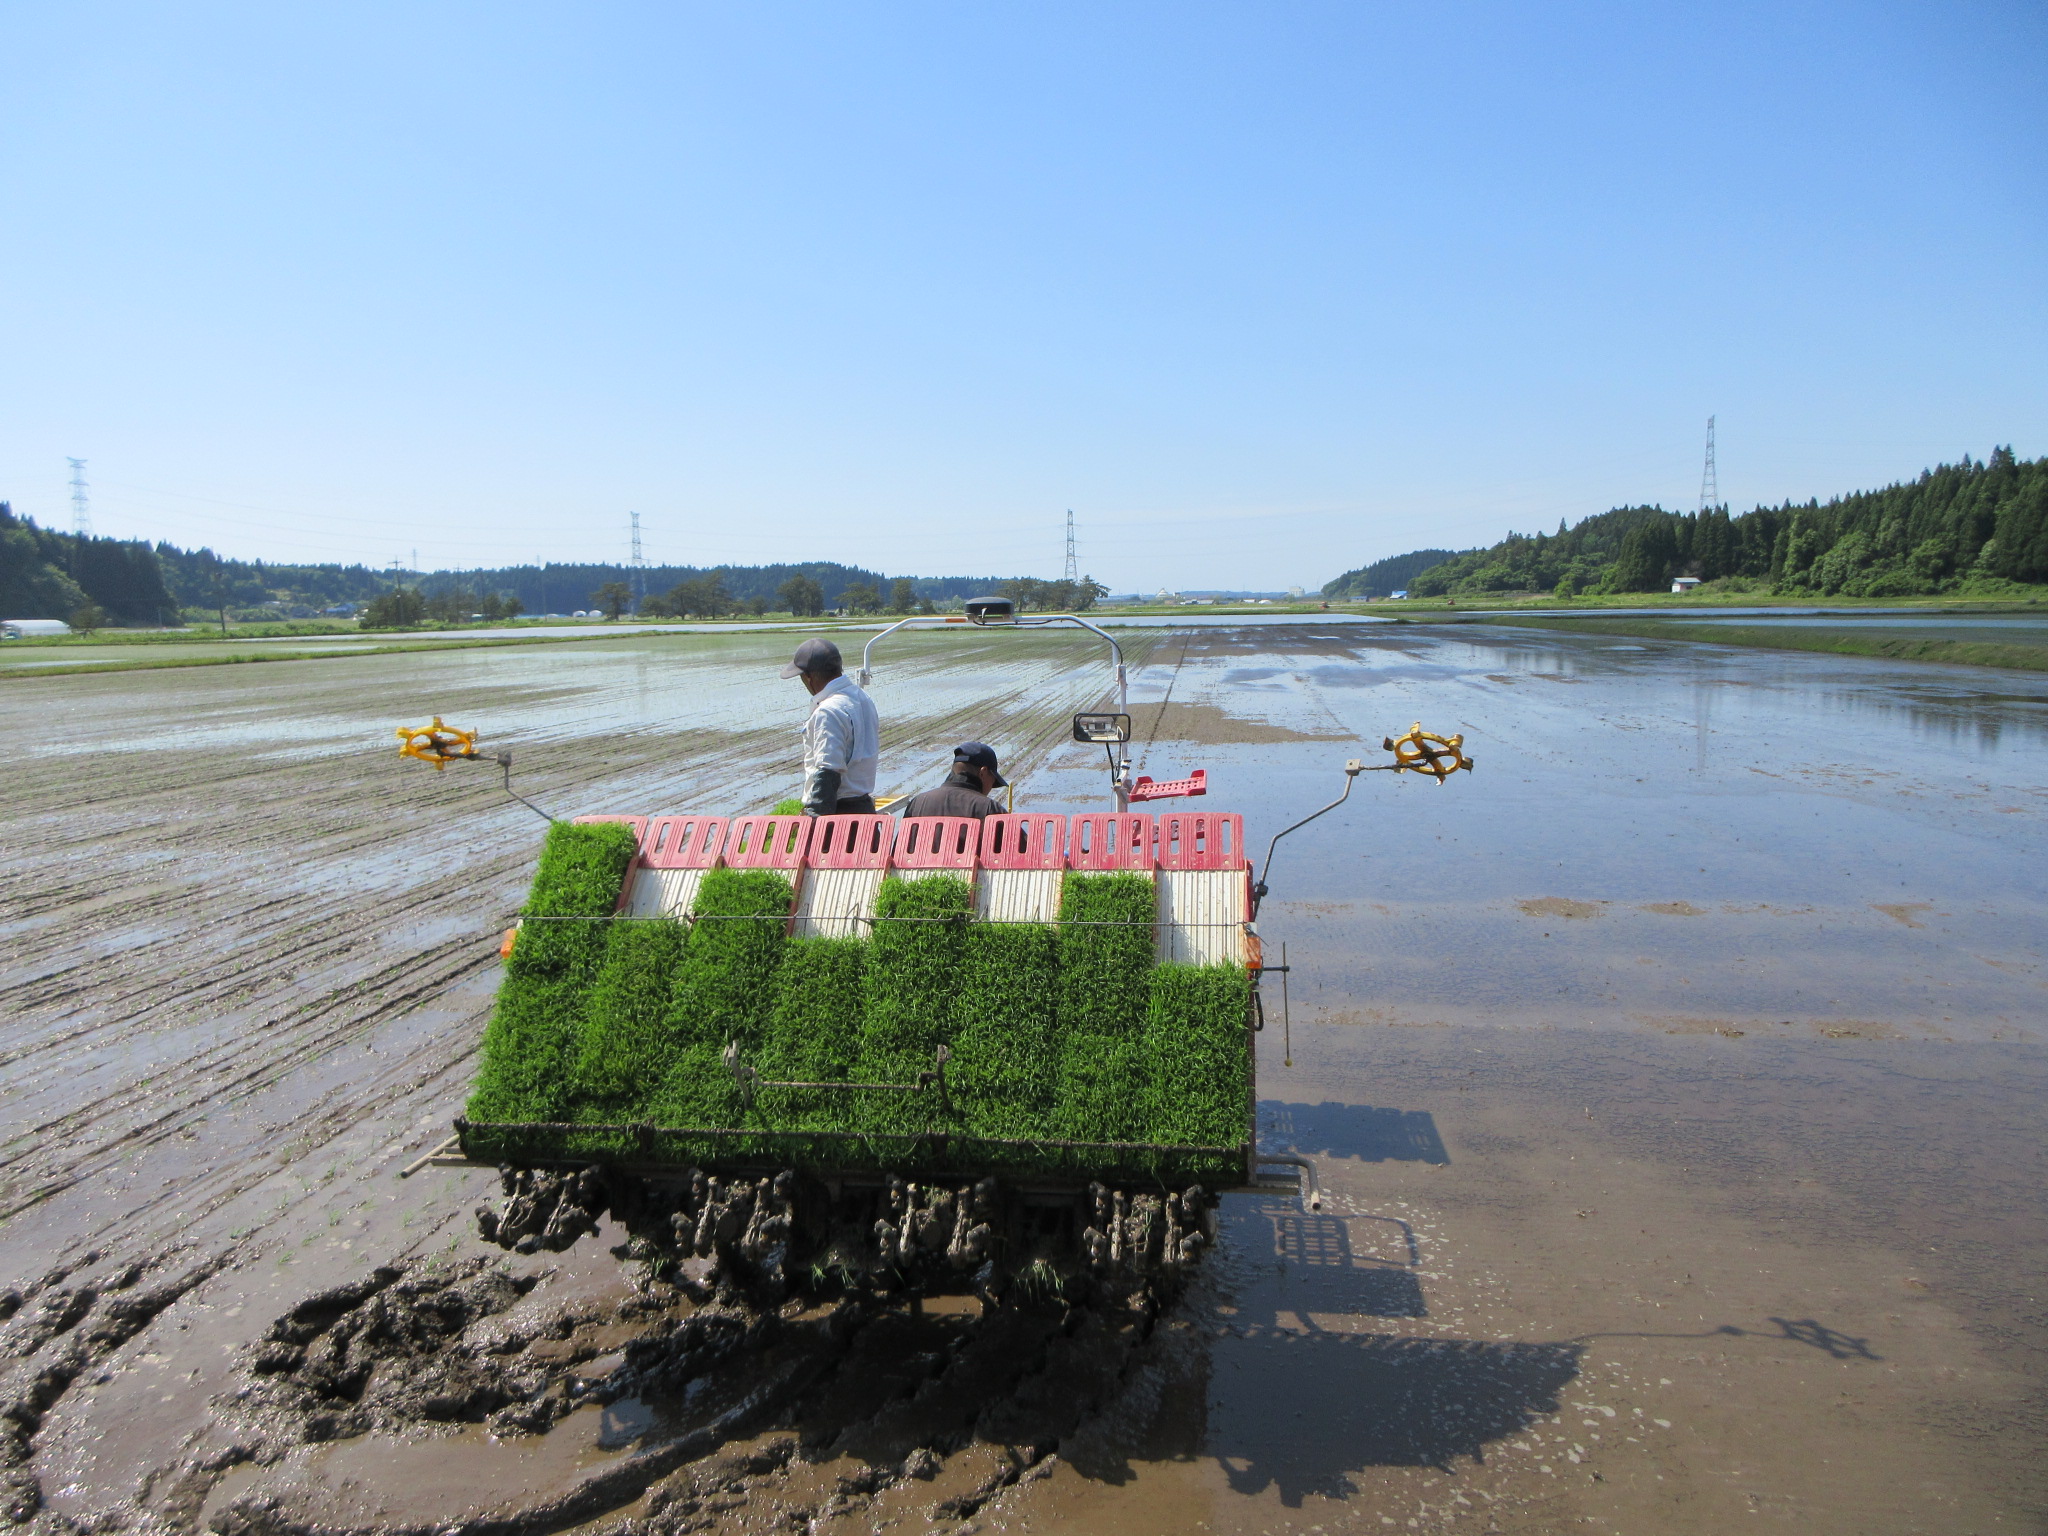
(814, 656)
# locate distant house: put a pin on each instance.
(1402, 593)
(1684, 583)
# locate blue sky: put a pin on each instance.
(1261, 291)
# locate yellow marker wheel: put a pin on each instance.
(1421, 751)
(436, 744)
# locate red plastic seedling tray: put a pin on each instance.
(682, 842)
(850, 842)
(1110, 840)
(1024, 840)
(937, 842)
(1201, 840)
(768, 842)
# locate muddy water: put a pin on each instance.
(1676, 1079)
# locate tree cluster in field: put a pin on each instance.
(405, 607)
(805, 589)
(1973, 527)
(1068, 1032)
(1035, 596)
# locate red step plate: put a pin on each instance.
(1148, 788)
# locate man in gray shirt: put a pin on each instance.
(966, 791)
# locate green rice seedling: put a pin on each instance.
(725, 986)
(1105, 962)
(697, 1090)
(1101, 1086)
(814, 1033)
(1197, 1056)
(909, 989)
(1105, 950)
(1004, 1064)
(724, 991)
(531, 1044)
(628, 1039)
(788, 808)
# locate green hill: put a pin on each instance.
(1383, 578)
(1976, 527)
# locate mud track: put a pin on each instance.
(818, 1412)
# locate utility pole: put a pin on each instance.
(639, 565)
(1073, 566)
(1710, 488)
(81, 511)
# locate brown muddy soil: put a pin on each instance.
(815, 1412)
(1705, 1189)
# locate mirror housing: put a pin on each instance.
(1102, 730)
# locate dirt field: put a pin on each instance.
(1676, 1079)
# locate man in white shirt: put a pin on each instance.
(842, 737)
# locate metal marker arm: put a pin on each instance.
(504, 761)
(1352, 770)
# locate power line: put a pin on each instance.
(1710, 486)
(1073, 567)
(81, 511)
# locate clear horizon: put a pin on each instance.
(1264, 294)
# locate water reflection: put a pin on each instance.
(1938, 704)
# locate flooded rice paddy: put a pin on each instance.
(1676, 1079)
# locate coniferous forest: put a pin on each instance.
(1973, 528)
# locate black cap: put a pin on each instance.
(975, 755)
(814, 656)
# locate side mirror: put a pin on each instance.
(1103, 730)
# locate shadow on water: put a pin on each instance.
(1325, 1272)
(1354, 1130)
(1306, 1410)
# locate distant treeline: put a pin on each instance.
(1383, 578)
(45, 574)
(1969, 527)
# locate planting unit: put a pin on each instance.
(1021, 1019)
